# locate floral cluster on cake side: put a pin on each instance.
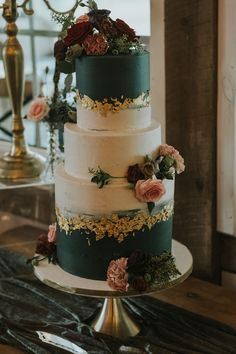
(147, 179)
(141, 271)
(138, 272)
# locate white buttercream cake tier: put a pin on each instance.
(75, 196)
(112, 151)
(132, 118)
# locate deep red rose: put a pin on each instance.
(44, 247)
(134, 173)
(139, 284)
(137, 262)
(59, 50)
(123, 28)
(107, 28)
(77, 33)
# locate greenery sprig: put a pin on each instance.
(100, 177)
(91, 4)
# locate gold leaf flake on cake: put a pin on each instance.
(115, 226)
(114, 105)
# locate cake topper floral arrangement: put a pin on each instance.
(95, 33)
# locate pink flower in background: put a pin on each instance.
(117, 278)
(52, 233)
(38, 109)
(82, 18)
(95, 44)
(150, 190)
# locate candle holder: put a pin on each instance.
(19, 162)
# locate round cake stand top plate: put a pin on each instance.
(55, 277)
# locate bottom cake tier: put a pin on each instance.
(81, 252)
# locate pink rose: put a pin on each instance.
(117, 277)
(95, 44)
(150, 190)
(82, 18)
(52, 233)
(38, 109)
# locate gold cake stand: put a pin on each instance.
(113, 319)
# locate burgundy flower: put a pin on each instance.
(60, 50)
(44, 247)
(149, 169)
(95, 44)
(137, 262)
(77, 33)
(139, 284)
(107, 28)
(124, 29)
(134, 173)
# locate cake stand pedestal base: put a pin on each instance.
(113, 318)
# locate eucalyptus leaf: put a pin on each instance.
(151, 206)
(68, 82)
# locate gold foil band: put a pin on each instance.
(114, 105)
(115, 226)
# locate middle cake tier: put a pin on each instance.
(112, 151)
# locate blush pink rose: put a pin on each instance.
(82, 18)
(150, 190)
(117, 278)
(52, 233)
(38, 109)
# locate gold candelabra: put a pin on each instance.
(19, 162)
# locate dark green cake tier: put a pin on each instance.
(111, 76)
(80, 254)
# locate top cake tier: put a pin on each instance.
(113, 92)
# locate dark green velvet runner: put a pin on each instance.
(27, 306)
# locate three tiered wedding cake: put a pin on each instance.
(115, 192)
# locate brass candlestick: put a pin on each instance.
(19, 162)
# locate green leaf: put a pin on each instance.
(169, 175)
(68, 82)
(151, 206)
(94, 179)
(148, 158)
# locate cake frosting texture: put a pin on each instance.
(100, 214)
